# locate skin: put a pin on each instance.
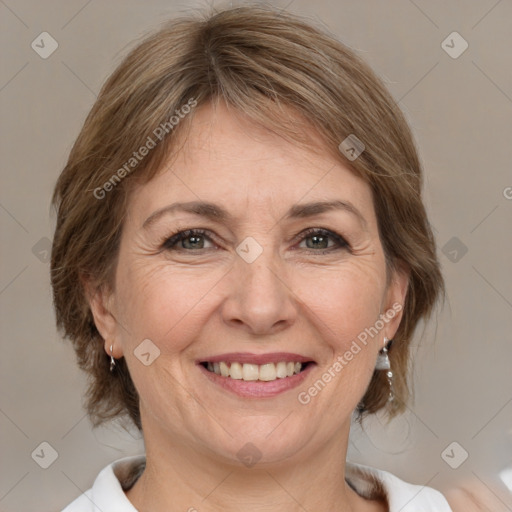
(203, 299)
(471, 495)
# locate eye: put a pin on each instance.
(190, 239)
(320, 241)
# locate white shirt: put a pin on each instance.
(107, 493)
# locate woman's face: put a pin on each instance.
(259, 280)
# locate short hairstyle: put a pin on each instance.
(274, 67)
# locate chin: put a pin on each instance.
(261, 440)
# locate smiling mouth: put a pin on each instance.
(253, 372)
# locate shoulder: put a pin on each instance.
(401, 496)
(107, 491)
(83, 503)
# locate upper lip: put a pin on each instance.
(259, 359)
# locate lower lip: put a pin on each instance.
(257, 388)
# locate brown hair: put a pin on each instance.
(266, 64)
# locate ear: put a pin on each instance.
(394, 301)
(101, 301)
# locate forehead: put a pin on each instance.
(226, 158)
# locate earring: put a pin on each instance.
(383, 363)
(112, 360)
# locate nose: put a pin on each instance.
(260, 299)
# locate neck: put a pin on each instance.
(178, 477)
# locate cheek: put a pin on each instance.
(346, 300)
(161, 303)
(345, 307)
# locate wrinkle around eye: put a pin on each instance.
(340, 239)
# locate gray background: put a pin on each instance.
(460, 111)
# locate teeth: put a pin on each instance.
(281, 370)
(235, 371)
(224, 369)
(268, 372)
(250, 372)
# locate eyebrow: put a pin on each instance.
(218, 213)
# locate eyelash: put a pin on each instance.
(170, 243)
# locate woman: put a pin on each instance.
(241, 258)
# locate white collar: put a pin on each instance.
(107, 493)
